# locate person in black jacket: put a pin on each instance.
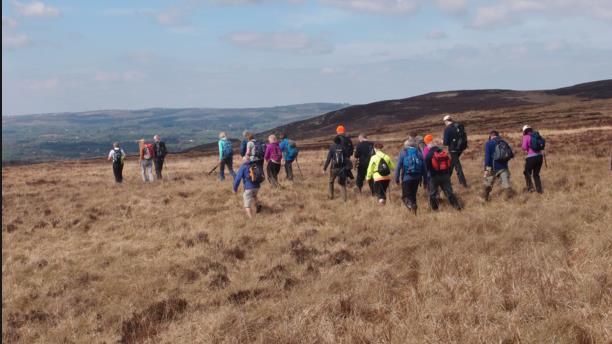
(160, 155)
(347, 148)
(456, 145)
(439, 177)
(336, 171)
(363, 152)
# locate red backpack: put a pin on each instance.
(148, 152)
(440, 161)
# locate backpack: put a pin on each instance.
(291, 150)
(537, 142)
(226, 149)
(503, 151)
(413, 161)
(259, 150)
(148, 152)
(118, 157)
(459, 141)
(338, 157)
(383, 167)
(440, 161)
(347, 146)
(256, 175)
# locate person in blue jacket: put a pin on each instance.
(289, 154)
(411, 170)
(251, 188)
(496, 168)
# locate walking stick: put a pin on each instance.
(213, 170)
(545, 163)
(299, 168)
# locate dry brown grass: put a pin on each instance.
(177, 261)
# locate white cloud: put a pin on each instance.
(436, 34)
(171, 17)
(454, 6)
(35, 9)
(507, 12)
(127, 76)
(9, 23)
(41, 84)
(14, 40)
(280, 41)
(376, 6)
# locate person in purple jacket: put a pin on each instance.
(533, 161)
(273, 156)
(251, 188)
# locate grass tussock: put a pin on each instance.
(177, 261)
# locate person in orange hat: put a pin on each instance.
(428, 140)
(347, 148)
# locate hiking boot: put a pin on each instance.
(485, 193)
(258, 209)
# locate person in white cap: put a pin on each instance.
(533, 145)
(455, 139)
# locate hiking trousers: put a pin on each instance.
(289, 169)
(380, 189)
(118, 171)
(443, 182)
(456, 165)
(340, 175)
(409, 193)
(503, 175)
(533, 165)
(273, 169)
(146, 169)
(159, 165)
(362, 171)
(229, 163)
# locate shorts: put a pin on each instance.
(249, 197)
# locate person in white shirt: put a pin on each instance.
(117, 156)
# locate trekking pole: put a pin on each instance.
(213, 170)
(545, 163)
(299, 168)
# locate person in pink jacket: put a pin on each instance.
(273, 157)
(534, 159)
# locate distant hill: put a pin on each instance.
(374, 116)
(58, 136)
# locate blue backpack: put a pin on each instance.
(413, 161)
(291, 150)
(537, 142)
(226, 149)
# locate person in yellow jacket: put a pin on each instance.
(380, 169)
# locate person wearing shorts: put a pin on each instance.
(251, 188)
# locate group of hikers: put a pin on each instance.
(423, 160)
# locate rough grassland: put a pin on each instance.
(84, 260)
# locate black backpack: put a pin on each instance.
(160, 149)
(459, 141)
(383, 167)
(118, 157)
(259, 150)
(347, 146)
(338, 157)
(503, 151)
(256, 175)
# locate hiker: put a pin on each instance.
(347, 148)
(533, 145)
(160, 155)
(336, 161)
(363, 152)
(117, 156)
(497, 155)
(255, 150)
(379, 170)
(428, 143)
(273, 156)
(455, 139)
(438, 165)
(226, 156)
(290, 154)
(251, 177)
(243, 143)
(147, 154)
(410, 170)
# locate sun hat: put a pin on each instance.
(526, 126)
(447, 118)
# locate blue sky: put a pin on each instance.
(87, 55)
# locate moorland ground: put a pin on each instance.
(84, 260)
